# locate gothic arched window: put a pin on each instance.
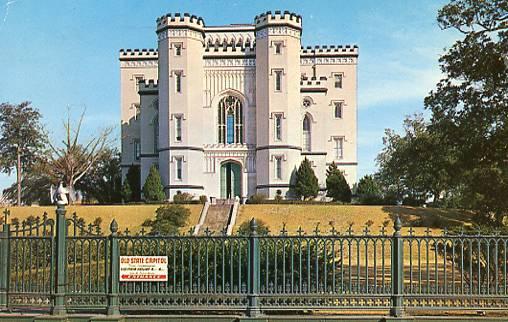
(306, 133)
(230, 120)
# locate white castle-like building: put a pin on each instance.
(227, 111)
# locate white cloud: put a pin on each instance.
(395, 82)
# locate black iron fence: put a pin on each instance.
(65, 266)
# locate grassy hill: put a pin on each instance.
(274, 215)
(131, 216)
(308, 216)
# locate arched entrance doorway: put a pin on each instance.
(230, 180)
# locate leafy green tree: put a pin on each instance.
(22, 140)
(336, 185)
(369, 191)
(35, 186)
(126, 191)
(413, 165)
(133, 177)
(262, 230)
(469, 105)
(306, 182)
(169, 219)
(153, 190)
(103, 182)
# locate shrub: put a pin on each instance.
(257, 198)
(153, 189)
(133, 178)
(181, 198)
(306, 182)
(244, 229)
(126, 191)
(168, 220)
(203, 199)
(336, 185)
(369, 191)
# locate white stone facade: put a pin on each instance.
(227, 111)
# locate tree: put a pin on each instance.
(133, 177)
(306, 182)
(168, 220)
(412, 165)
(73, 160)
(368, 190)
(103, 182)
(126, 191)
(469, 105)
(22, 140)
(262, 229)
(336, 185)
(35, 186)
(153, 189)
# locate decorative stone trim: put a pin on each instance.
(230, 62)
(328, 61)
(139, 63)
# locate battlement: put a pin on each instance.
(229, 48)
(148, 87)
(347, 49)
(139, 53)
(278, 18)
(313, 81)
(177, 20)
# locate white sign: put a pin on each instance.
(143, 268)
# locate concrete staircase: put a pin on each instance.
(218, 216)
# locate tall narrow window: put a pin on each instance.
(306, 133)
(137, 149)
(156, 134)
(338, 110)
(278, 80)
(178, 82)
(178, 49)
(278, 127)
(338, 80)
(178, 128)
(339, 147)
(230, 120)
(278, 48)
(278, 167)
(179, 165)
(138, 79)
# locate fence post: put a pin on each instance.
(60, 262)
(397, 308)
(4, 259)
(114, 257)
(253, 309)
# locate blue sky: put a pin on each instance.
(61, 54)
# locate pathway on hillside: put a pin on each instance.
(217, 218)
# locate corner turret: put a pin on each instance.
(285, 18)
(178, 20)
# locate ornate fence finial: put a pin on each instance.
(7, 213)
(397, 225)
(253, 226)
(300, 231)
(316, 230)
(284, 231)
(113, 226)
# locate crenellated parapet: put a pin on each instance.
(229, 49)
(329, 50)
(329, 55)
(286, 18)
(150, 86)
(138, 54)
(179, 21)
